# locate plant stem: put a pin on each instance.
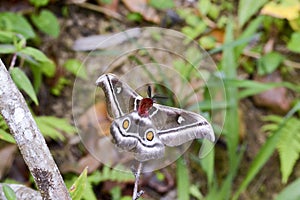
(136, 194)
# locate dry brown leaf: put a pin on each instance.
(284, 10)
(113, 5)
(218, 34)
(142, 7)
(88, 121)
(276, 99)
(7, 158)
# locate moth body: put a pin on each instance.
(144, 107)
(138, 135)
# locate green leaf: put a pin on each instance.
(207, 42)
(48, 68)
(78, 187)
(59, 123)
(46, 22)
(7, 48)
(158, 4)
(293, 44)
(35, 53)
(16, 23)
(160, 176)
(7, 36)
(115, 193)
(183, 183)
(136, 17)
(195, 192)
(56, 90)
(247, 8)
(48, 130)
(106, 1)
(269, 63)
(9, 192)
(37, 77)
(75, 67)
(23, 83)
(52, 126)
(6, 136)
(126, 198)
(89, 193)
(108, 174)
(39, 3)
(291, 192)
(204, 6)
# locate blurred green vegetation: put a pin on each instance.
(239, 31)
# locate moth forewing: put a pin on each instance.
(120, 98)
(176, 126)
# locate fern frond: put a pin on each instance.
(289, 147)
(272, 118)
(273, 123)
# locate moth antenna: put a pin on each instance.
(149, 91)
(160, 97)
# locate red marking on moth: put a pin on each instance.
(145, 106)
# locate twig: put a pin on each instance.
(22, 192)
(29, 139)
(137, 194)
(13, 60)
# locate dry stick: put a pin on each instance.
(137, 174)
(21, 191)
(29, 139)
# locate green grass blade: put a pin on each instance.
(229, 66)
(291, 192)
(6, 136)
(249, 32)
(247, 8)
(9, 192)
(207, 162)
(232, 44)
(183, 182)
(78, 188)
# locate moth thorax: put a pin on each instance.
(145, 106)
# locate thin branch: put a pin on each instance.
(137, 194)
(22, 192)
(29, 139)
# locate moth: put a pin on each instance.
(144, 127)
